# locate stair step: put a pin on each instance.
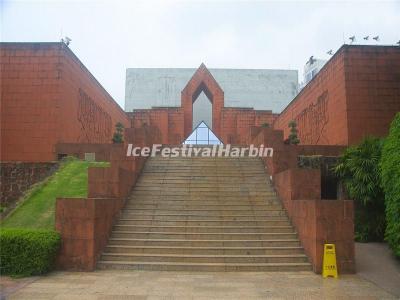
(161, 201)
(204, 267)
(210, 177)
(254, 181)
(205, 229)
(198, 212)
(215, 176)
(231, 210)
(202, 207)
(173, 222)
(202, 188)
(194, 197)
(189, 217)
(199, 195)
(201, 162)
(197, 235)
(189, 187)
(201, 180)
(211, 191)
(217, 169)
(204, 243)
(204, 214)
(198, 258)
(205, 250)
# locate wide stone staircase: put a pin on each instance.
(204, 214)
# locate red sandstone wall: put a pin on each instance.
(236, 123)
(30, 97)
(231, 125)
(356, 94)
(17, 177)
(317, 221)
(169, 121)
(320, 108)
(373, 90)
(48, 96)
(89, 113)
(202, 80)
(86, 223)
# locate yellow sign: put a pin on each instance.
(329, 263)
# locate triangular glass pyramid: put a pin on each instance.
(202, 135)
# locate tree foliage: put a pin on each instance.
(358, 169)
(390, 165)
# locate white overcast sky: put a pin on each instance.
(110, 36)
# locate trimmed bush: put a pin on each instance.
(390, 165)
(358, 169)
(118, 136)
(26, 252)
(293, 139)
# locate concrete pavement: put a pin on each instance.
(146, 285)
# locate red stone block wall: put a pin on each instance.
(102, 151)
(231, 125)
(317, 221)
(85, 224)
(202, 81)
(320, 108)
(17, 177)
(168, 120)
(47, 97)
(89, 113)
(237, 123)
(285, 156)
(373, 90)
(357, 93)
(176, 133)
(30, 100)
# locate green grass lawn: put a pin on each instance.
(38, 207)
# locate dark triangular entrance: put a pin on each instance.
(202, 135)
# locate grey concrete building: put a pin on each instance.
(261, 89)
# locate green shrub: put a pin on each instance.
(358, 169)
(390, 165)
(27, 252)
(293, 138)
(118, 136)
